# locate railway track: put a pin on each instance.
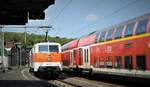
(61, 83)
(67, 80)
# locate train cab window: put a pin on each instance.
(128, 62)
(43, 48)
(141, 28)
(53, 48)
(109, 35)
(129, 29)
(118, 62)
(118, 32)
(141, 62)
(102, 37)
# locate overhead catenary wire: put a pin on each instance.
(61, 11)
(105, 17)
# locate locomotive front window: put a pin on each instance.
(53, 48)
(43, 48)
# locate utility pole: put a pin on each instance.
(25, 36)
(19, 56)
(46, 36)
(2, 47)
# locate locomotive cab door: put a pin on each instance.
(86, 56)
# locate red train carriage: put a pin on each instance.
(123, 49)
(67, 54)
(77, 54)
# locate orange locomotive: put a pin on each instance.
(123, 49)
(46, 57)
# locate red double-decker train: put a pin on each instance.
(122, 49)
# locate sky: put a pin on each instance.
(76, 18)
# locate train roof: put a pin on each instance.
(45, 43)
(93, 37)
(70, 45)
(125, 22)
(87, 40)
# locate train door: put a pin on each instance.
(71, 58)
(80, 56)
(86, 56)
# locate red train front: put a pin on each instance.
(123, 49)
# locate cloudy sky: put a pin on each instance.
(75, 18)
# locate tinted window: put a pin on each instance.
(141, 28)
(129, 29)
(97, 36)
(85, 55)
(128, 62)
(102, 37)
(53, 48)
(109, 35)
(43, 48)
(80, 54)
(118, 63)
(118, 32)
(141, 62)
(109, 62)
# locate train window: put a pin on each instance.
(97, 37)
(109, 35)
(108, 62)
(141, 62)
(102, 37)
(129, 29)
(118, 32)
(71, 58)
(85, 55)
(118, 62)
(101, 62)
(141, 28)
(128, 62)
(80, 54)
(43, 48)
(96, 62)
(74, 53)
(53, 48)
